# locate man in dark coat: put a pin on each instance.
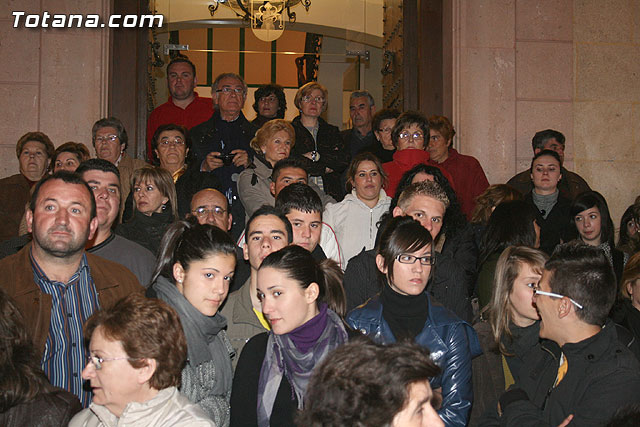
(571, 184)
(593, 373)
(221, 144)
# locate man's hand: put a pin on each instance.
(241, 158)
(566, 421)
(310, 155)
(212, 161)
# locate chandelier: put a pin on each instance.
(265, 17)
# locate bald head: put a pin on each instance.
(211, 207)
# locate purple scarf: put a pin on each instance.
(294, 355)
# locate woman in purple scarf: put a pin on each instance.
(304, 303)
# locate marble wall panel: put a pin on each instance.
(487, 23)
(606, 131)
(544, 20)
(544, 70)
(70, 76)
(607, 72)
(20, 51)
(486, 125)
(604, 21)
(534, 116)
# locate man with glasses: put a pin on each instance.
(361, 110)
(221, 144)
(110, 141)
(184, 106)
(585, 373)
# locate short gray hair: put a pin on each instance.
(216, 82)
(362, 94)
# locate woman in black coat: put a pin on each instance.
(318, 143)
(154, 207)
(552, 208)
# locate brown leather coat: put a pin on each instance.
(112, 281)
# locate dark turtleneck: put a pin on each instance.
(405, 314)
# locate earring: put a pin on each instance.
(164, 207)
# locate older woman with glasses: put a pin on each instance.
(409, 137)
(137, 350)
(318, 143)
(171, 145)
(382, 125)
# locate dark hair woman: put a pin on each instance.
(303, 301)
(591, 223)
(552, 208)
(270, 103)
(195, 267)
(512, 223)
(403, 310)
(26, 397)
(629, 240)
(382, 124)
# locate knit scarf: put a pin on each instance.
(201, 332)
(545, 203)
(282, 357)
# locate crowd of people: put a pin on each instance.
(276, 273)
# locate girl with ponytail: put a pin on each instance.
(195, 267)
(304, 301)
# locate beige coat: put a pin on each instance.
(167, 408)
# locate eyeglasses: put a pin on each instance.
(269, 98)
(98, 361)
(554, 295)
(385, 130)
(202, 212)
(229, 90)
(166, 142)
(415, 136)
(110, 138)
(309, 98)
(410, 259)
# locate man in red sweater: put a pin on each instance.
(184, 106)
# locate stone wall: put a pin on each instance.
(522, 65)
(51, 80)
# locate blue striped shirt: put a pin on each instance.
(72, 304)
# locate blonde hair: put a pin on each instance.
(162, 179)
(266, 132)
(306, 90)
(507, 270)
(630, 275)
(423, 188)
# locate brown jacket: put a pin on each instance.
(15, 193)
(112, 281)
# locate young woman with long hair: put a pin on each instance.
(303, 301)
(195, 266)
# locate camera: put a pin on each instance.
(227, 159)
